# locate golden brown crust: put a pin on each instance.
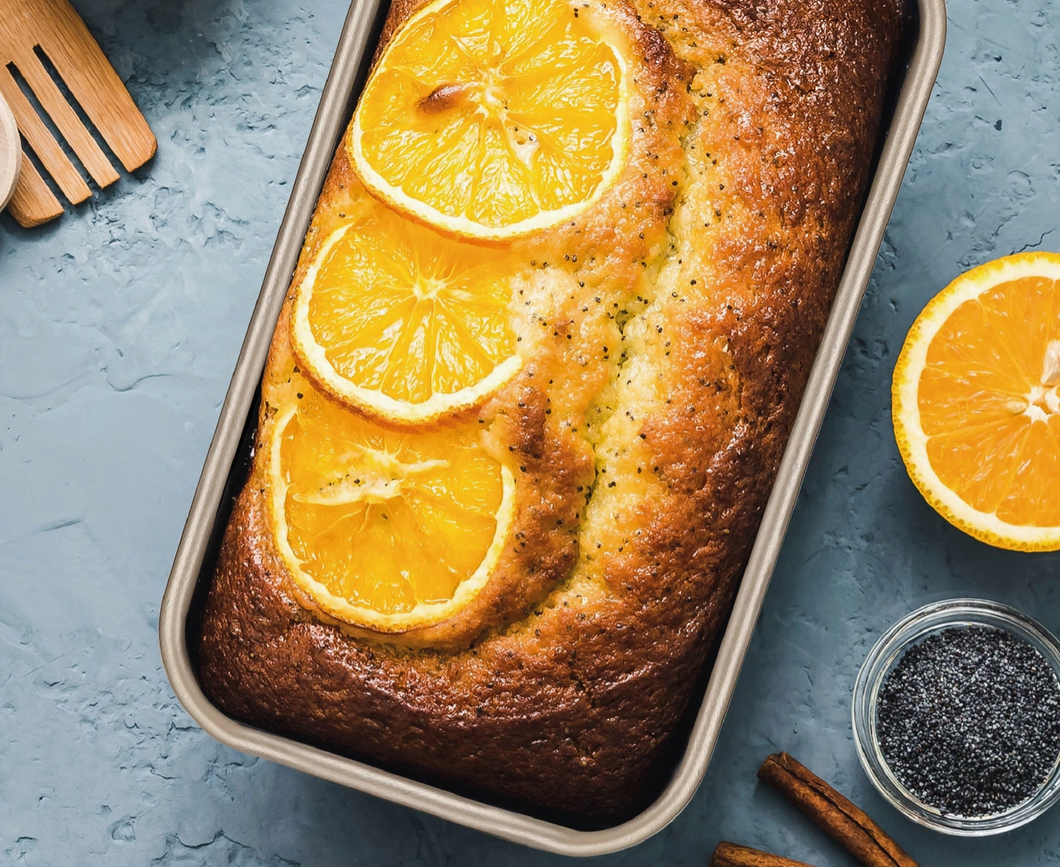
(670, 331)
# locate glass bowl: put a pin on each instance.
(911, 630)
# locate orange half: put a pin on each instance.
(976, 402)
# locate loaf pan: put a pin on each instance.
(196, 554)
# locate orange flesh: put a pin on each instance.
(522, 122)
(386, 520)
(402, 310)
(989, 402)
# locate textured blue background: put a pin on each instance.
(119, 328)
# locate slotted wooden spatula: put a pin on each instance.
(45, 44)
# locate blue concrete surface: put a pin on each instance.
(119, 327)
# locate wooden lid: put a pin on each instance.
(10, 153)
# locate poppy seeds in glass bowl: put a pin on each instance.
(968, 720)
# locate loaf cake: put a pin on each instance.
(665, 336)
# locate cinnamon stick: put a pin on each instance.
(731, 855)
(857, 833)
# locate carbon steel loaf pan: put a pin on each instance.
(225, 463)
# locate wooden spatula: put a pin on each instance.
(34, 33)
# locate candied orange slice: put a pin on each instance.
(490, 119)
(976, 402)
(384, 530)
(402, 323)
